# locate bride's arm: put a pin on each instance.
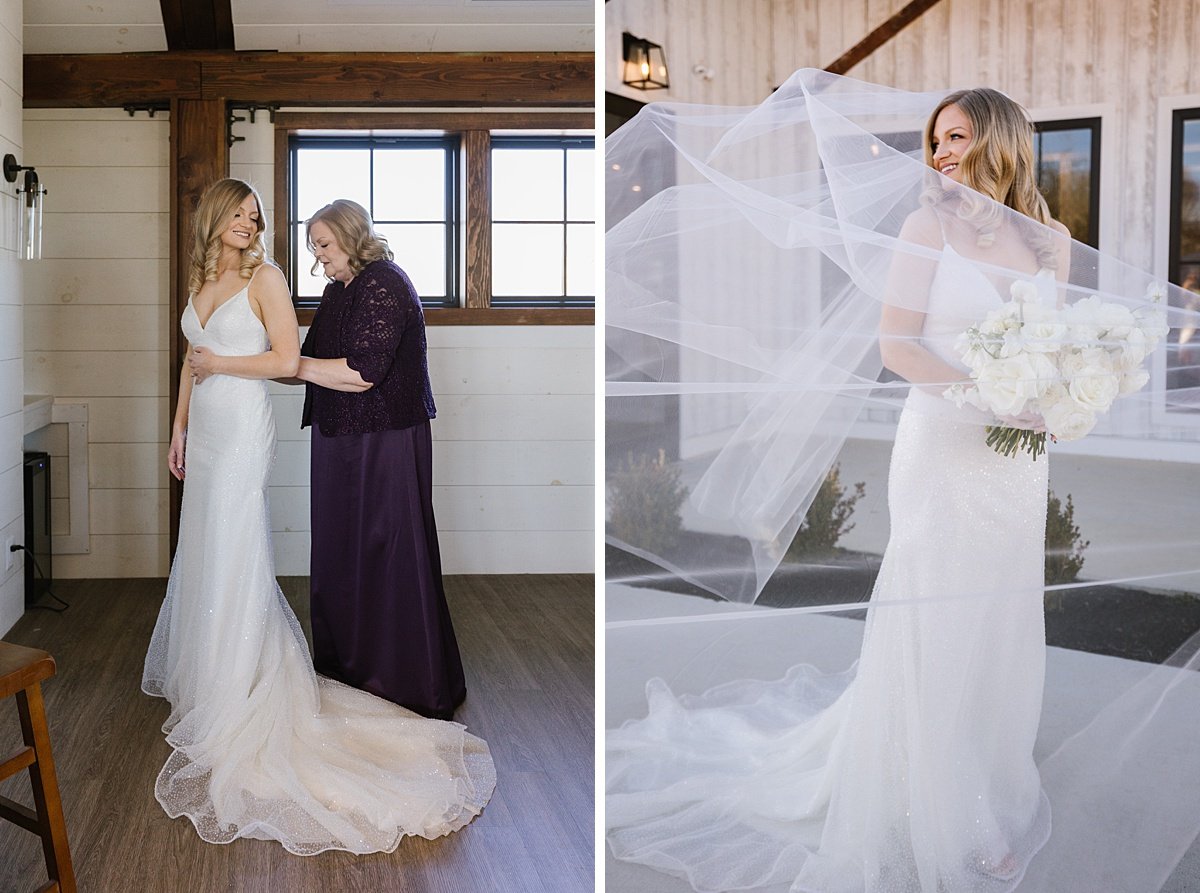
(175, 452)
(270, 293)
(903, 317)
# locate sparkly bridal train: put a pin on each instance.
(263, 747)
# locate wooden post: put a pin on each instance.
(477, 152)
(199, 157)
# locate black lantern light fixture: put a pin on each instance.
(645, 63)
(29, 209)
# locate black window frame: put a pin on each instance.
(546, 142)
(451, 142)
(1093, 124)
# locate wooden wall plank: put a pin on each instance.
(444, 79)
(477, 252)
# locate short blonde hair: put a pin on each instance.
(216, 208)
(354, 231)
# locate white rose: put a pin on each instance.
(1024, 292)
(1095, 386)
(1133, 380)
(1008, 384)
(1044, 331)
(1068, 421)
(1132, 350)
(1115, 318)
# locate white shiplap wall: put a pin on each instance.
(12, 505)
(513, 441)
(96, 326)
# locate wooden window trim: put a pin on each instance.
(475, 128)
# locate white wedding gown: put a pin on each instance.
(263, 747)
(917, 776)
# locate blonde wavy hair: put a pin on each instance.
(354, 231)
(999, 164)
(216, 208)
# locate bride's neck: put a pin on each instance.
(229, 260)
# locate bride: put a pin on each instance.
(918, 775)
(263, 747)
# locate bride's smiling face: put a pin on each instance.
(951, 135)
(243, 226)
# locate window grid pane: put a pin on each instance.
(543, 252)
(407, 184)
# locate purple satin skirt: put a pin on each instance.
(379, 616)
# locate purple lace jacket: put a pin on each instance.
(376, 323)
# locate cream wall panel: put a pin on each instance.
(15, 529)
(291, 553)
(125, 235)
(12, 495)
(127, 465)
(12, 272)
(122, 556)
(98, 281)
(291, 464)
(511, 552)
(60, 512)
(551, 463)
(12, 431)
(11, 17)
(137, 373)
(10, 114)
(258, 143)
(513, 508)
(113, 191)
(12, 600)
(11, 60)
(96, 141)
(95, 327)
(50, 439)
(289, 509)
(12, 396)
(126, 511)
(519, 417)
(10, 332)
(128, 420)
(511, 337)
(498, 370)
(289, 409)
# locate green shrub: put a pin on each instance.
(1064, 547)
(644, 500)
(827, 519)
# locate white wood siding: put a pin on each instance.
(12, 309)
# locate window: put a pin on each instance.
(429, 180)
(1067, 156)
(409, 184)
(1183, 354)
(543, 221)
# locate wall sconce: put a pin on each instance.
(645, 63)
(29, 209)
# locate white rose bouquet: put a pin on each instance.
(1066, 365)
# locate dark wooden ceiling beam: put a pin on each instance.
(198, 24)
(328, 79)
(881, 35)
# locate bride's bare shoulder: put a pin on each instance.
(923, 227)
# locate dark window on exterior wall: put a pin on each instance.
(1067, 156)
(1183, 357)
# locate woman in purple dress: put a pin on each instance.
(379, 615)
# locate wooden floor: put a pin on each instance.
(527, 643)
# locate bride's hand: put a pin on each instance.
(175, 456)
(203, 363)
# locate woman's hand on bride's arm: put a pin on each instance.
(203, 363)
(175, 454)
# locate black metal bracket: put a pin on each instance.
(253, 110)
(148, 109)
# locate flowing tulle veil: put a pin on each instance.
(750, 256)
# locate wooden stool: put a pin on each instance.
(21, 673)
